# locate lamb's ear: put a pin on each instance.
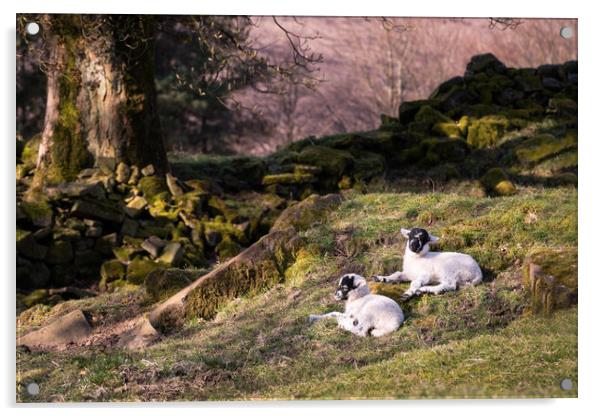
(405, 233)
(433, 239)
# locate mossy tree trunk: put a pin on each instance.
(101, 104)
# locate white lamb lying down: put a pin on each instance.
(365, 314)
(432, 272)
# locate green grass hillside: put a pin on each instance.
(480, 341)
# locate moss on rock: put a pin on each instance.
(302, 215)
(162, 283)
(544, 146)
(110, 271)
(138, 269)
(550, 276)
(333, 162)
(496, 182)
(151, 186)
(487, 131)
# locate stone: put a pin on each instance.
(28, 247)
(174, 185)
(36, 297)
(122, 173)
(152, 186)
(551, 84)
(39, 212)
(135, 207)
(68, 234)
(129, 227)
(67, 329)
(105, 244)
(162, 283)
(148, 170)
(227, 248)
(496, 182)
(134, 176)
(153, 245)
(550, 277)
(64, 274)
(302, 215)
(140, 336)
(172, 254)
(110, 271)
(59, 252)
(487, 131)
(93, 232)
(103, 212)
(486, 63)
(138, 269)
(42, 233)
(32, 276)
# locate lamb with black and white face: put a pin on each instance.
(365, 313)
(432, 272)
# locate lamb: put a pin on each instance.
(365, 314)
(432, 272)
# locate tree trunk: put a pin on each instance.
(101, 104)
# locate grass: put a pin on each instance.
(477, 342)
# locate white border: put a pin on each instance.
(590, 151)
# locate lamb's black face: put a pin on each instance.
(417, 239)
(346, 285)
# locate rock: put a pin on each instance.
(429, 116)
(304, 214)
(485, 63)
(110, 271)
(122, 173)
(71, 292)
(93, 232)
(562, 107)
(88, 173)
(135, 207)
(148, 170)
(35, 297)
(32, 276)
(258, 267)
(104, 212)
(408, 110)
(39, 212)
(162, 283)
(152, 186)
(138, 269)
(27, 246)
(134, 176)
(174, 185)
(551, 84)
(141, 335)
(65, 274)
(550, 276)
(129, 227)
(93, 188)
(543, 146)
(527, 80)
(59, 252)
(68, 234)
(172, 254)
(496, 182)
(333, 162)
(487, 131)
(153, 245)
(105, 244)
(69, 328)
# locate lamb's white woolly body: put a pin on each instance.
(365, 314)
(432, 272)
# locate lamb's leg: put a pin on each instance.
(330, 315)
(436, 289)
(414, 287)
(392, 278)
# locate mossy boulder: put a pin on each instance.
(151, 186)
(486, 64)
(448, 129)
(543, 146)
(36, 297)
(430, 152)
(110, 271)
(367, 165)
(429, 116)
(38, 212)
(550, 277)
(172, 254)
(304, 214)
(59, 252)
(497, 183)
(333, 162)
(487, 131)
(28, 247)
(98, 210)
(162, 283)
(408, 109)
(138, 269)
